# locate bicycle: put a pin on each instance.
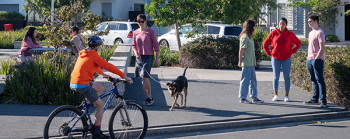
(69, 120)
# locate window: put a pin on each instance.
(102, 27)
(112, 27)
(134, 27)
(213, 30)
(232, 30)
(123, 27)
(185, 30)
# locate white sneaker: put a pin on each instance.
(275, 98)
(286, 98)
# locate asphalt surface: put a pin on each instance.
(212, 104)
(324, 129)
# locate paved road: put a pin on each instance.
(325, 129)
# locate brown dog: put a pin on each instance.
(175, 88)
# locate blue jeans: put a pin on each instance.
(248, 79)
(315, 68)
(276, 67)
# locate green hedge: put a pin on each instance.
(336, 74)
(210, 52)
(4, 15)
(259, 36)
(332, 38)
(7, 38)
(44, 81)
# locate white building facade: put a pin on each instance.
(297, 20)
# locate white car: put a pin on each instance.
(217, 30)
(119, 32)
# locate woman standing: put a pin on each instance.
(248, 62)
(28, 43)
(144, 45)
(281, 41)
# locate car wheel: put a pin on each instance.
(164, 43)
(118, 41)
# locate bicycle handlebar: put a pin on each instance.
(116, 80)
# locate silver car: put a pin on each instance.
(217, 30)
(119, 32)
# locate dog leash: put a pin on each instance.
(151, 76)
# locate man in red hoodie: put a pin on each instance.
(88, 63)
(281, 40)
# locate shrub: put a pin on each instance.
(259, 36)
(210, 52)
(107, 51)
(7, 38)
(43, 81)
(332, 38)
(336, 74)
(304, 41)
(4, 15)
(167, 57)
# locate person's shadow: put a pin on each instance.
(134, 92)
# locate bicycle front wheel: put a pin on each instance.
(63, 122)
(129, 121)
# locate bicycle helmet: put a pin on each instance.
(94, 41)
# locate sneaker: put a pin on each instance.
(99, 136)
(256, 100)
(275, 98)
(286, 99)
(148, 102)
(243, 100)
(311, 102)
(323, 104)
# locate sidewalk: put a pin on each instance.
(212, 104)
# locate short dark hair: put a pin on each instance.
(75, 28)
(315, 18)
(284, 19)
(141, 16)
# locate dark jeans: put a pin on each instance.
(315, 68)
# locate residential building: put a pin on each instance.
(297, 20)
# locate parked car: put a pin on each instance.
(119, 31)
(217, 30)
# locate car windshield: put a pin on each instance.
(102, 27)
(233, 30)
(134, 27)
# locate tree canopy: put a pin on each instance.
(43, 7)
(180, 12)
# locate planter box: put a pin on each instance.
(17, 44)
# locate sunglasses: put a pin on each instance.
(141, 21)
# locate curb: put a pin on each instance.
(166, 129)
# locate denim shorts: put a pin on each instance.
(143, 66)
(87, 92)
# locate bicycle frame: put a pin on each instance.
(86, 105)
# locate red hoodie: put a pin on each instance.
(281, 48)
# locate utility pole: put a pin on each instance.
(52, 10)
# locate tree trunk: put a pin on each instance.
(177, 35)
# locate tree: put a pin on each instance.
(43, 7)
(58, 32)
(180, 12)
(325, 9)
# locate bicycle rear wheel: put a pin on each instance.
(61, 123)
(119, 127)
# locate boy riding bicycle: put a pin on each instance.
(87, 64)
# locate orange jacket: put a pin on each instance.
(87, 64)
